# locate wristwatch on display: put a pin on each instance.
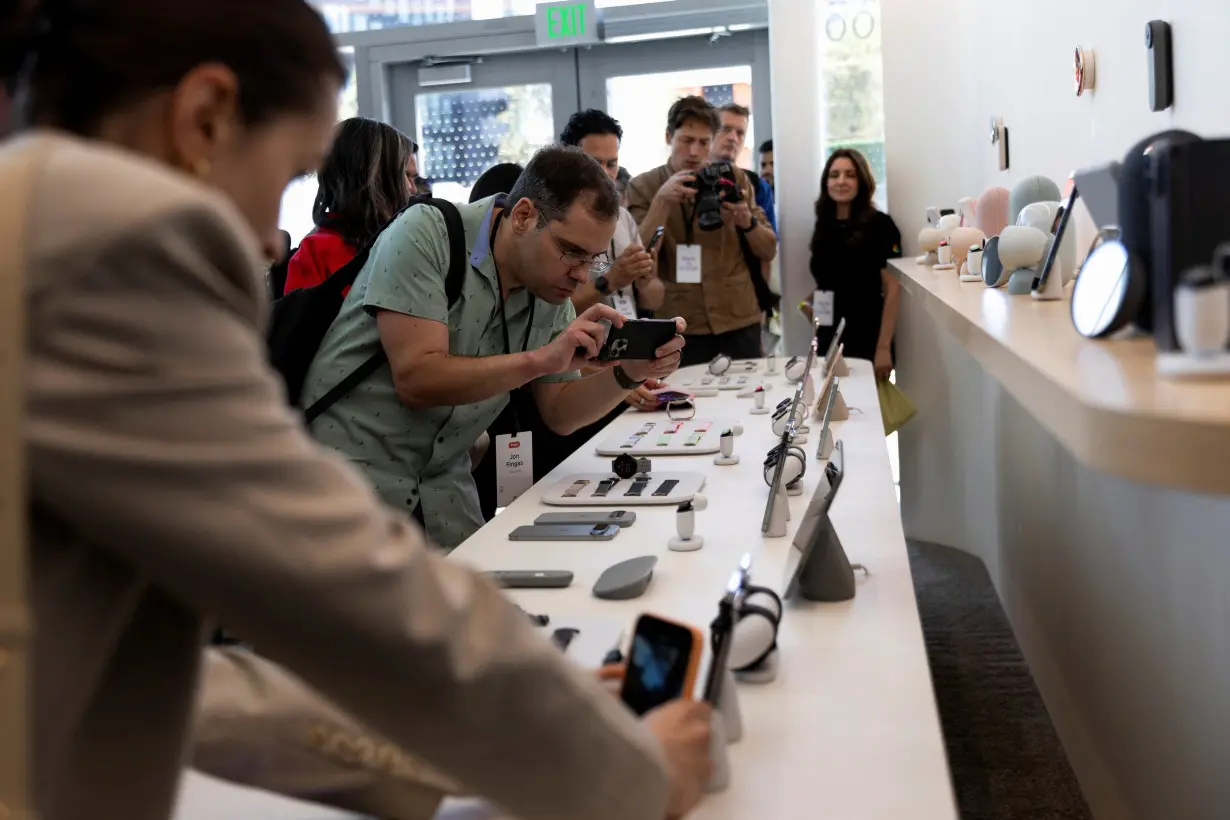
(626, 466)
(604, 487)
(602, 285)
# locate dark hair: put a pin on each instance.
(736, 109)
(498, 179)
(362, 183)
(93, 57)
(692, 109)
(860, 209)
(591, 121)
(766, 146)
(622, 179)
(558, 176)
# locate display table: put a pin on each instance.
(1095, 493)
(849, 729)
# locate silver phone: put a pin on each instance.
(531, 578)
(620, 518)
(564, 532)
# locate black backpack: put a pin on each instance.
(301, 318)
(765, 297)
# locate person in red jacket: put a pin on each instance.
(365, 180)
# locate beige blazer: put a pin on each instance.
(169, 483)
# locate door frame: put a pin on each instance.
(376, 51)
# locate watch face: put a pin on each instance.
(624, 466)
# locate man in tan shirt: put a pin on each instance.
(720, 304)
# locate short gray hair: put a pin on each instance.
(558, 176)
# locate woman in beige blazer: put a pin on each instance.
(169, 483)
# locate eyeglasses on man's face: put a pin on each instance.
(599, 263)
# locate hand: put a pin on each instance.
(579, 343)
(737, 212)
(643, 398)
(666, 361)
(676, 189)
(634, 263)
(883, 363)
(682, 727)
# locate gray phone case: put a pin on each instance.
(532, 579)
(564, 532)
(620, 518)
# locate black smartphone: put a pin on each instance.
(1060, 226)
(662, 663)
(657, 237)
(638, 339)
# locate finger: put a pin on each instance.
(673, 346)
(601, 310)
(681, 326)
(588, 343)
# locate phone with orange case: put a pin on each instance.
(662, 664)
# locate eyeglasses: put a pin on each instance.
(598, 264)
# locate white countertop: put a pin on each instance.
(849, 729)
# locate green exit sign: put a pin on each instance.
(568, 23)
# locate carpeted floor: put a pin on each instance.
(1006, 760)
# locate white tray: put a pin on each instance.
(731, 381)
(647, 445)
(689, 485)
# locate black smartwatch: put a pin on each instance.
(604, 287)
(622, 379)
(751, 227)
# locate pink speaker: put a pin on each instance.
(991, 212)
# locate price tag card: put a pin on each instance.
(687, 264)
(822, 307)
(514, 467)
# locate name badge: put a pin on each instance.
(822, 307)
(514, 467)
(624, 303)
(687, 264)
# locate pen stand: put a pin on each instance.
(726, 727)
(727, 457)
(827, 576)
(758, 408)
(779, 517)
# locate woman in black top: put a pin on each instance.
(850, 250)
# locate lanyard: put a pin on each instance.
(687, 222)
(529, 324)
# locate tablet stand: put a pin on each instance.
(763, 672)
(827, 575)
(779, 517)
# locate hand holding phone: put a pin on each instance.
(637, 340)
(634, 263)
(663, 659)
(655, 239)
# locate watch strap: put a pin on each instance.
(623, 380)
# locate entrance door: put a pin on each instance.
(470, 115)
(467, 116)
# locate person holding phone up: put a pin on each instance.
(632, 285)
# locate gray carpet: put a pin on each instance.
(1007, 762)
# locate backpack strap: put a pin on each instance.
(454, 281)
(19, 163)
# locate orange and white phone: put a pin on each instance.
(663, 660)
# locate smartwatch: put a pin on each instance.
(603, 286)
(625, 466)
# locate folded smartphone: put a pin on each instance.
(669, 395)
(637, 339)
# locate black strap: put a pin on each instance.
(454, 281)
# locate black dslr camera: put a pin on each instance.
(714, 184)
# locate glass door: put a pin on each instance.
(467, 115)
(636, 83)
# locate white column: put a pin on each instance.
(796, 42)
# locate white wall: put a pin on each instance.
(950, 65)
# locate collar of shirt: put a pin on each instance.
(483, 260)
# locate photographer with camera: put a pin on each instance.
(706, 208)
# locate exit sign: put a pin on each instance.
(573, 22)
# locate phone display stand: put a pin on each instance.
(727, 457)
(689, 484)
(841, 369)
(1186, 366)
(779, 517)
(841, 411)
(697, 437)
(825, 451)
(759, 409)
(827, 577)
(726, 727)
(750, 392)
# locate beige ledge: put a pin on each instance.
(1101, 400)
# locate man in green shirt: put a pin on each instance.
(410, 426)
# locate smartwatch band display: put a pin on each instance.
(665, 488)
(637, 487)
(604, 487)
(572, 491)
